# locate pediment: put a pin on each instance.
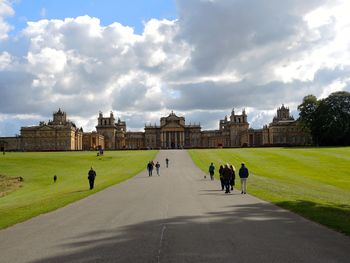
(172, 125)
(45, 128)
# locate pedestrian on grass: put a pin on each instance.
(211, 171)
(243, 174)
(221, 170)
(167, 162)
(227, 174)
(157, 168)
(150, 168)
(91, 177)
(54, 178)
(233, 176)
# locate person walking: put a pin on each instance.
(221, 170)
(157, 168)
(91, 177)
(211, 171)
(233, 176)
(167, 162)
(243, 174)
(226, 174)
(150, 168)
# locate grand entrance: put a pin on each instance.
(174, 139)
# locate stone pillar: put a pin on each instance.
(169, 140)
(175, 139)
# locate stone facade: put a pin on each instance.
(93, 141)
(171, 133)
(59, 134)
(113, 133)
(10, 143)
(284, 130)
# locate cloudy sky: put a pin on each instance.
(142, 59)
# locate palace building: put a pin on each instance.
(171, 133)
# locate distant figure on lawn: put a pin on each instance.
(167, 162)
(243, 174)
(91, 177)
(221, 170)
(157, 168)
(211, 171)
(233, 176)
(54, 178)
(150, 168)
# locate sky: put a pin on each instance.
(144, 59)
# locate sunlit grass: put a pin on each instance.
(313, 182)
(39, 194)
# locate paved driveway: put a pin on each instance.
(176, 217)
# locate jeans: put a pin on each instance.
(227, 185)
(244, 185)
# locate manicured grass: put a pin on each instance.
(39, 194)
(313, 182)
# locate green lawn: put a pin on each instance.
(313, 182)
(39, 194)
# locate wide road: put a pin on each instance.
(176, 217)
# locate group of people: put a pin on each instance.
(151, 165)
(227, 175)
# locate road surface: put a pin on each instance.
(176, 217)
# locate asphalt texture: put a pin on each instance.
(176, 217)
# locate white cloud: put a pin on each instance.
(5, 11)
(5, 60)
(215, 56)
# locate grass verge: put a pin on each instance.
(312, 182)
(39, 194)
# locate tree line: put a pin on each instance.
(328, 119)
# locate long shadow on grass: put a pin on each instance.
(245, 233)
(336, 216)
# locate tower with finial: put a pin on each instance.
(283, 114)
(59, 117)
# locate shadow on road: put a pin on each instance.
(246, 233)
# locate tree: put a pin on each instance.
(328, 120)
(307, 111)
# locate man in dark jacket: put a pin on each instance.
(150, 168)
(227, 174)
(243, 174)
(91, 177)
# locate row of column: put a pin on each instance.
(172, 139)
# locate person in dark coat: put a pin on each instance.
(233, 176)
(157, 168)
(54, 178)
(227, 174)
(243, 174)
(221, 170)
(91, 177)
(150, 168)
(211, 171)
(167, 162)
